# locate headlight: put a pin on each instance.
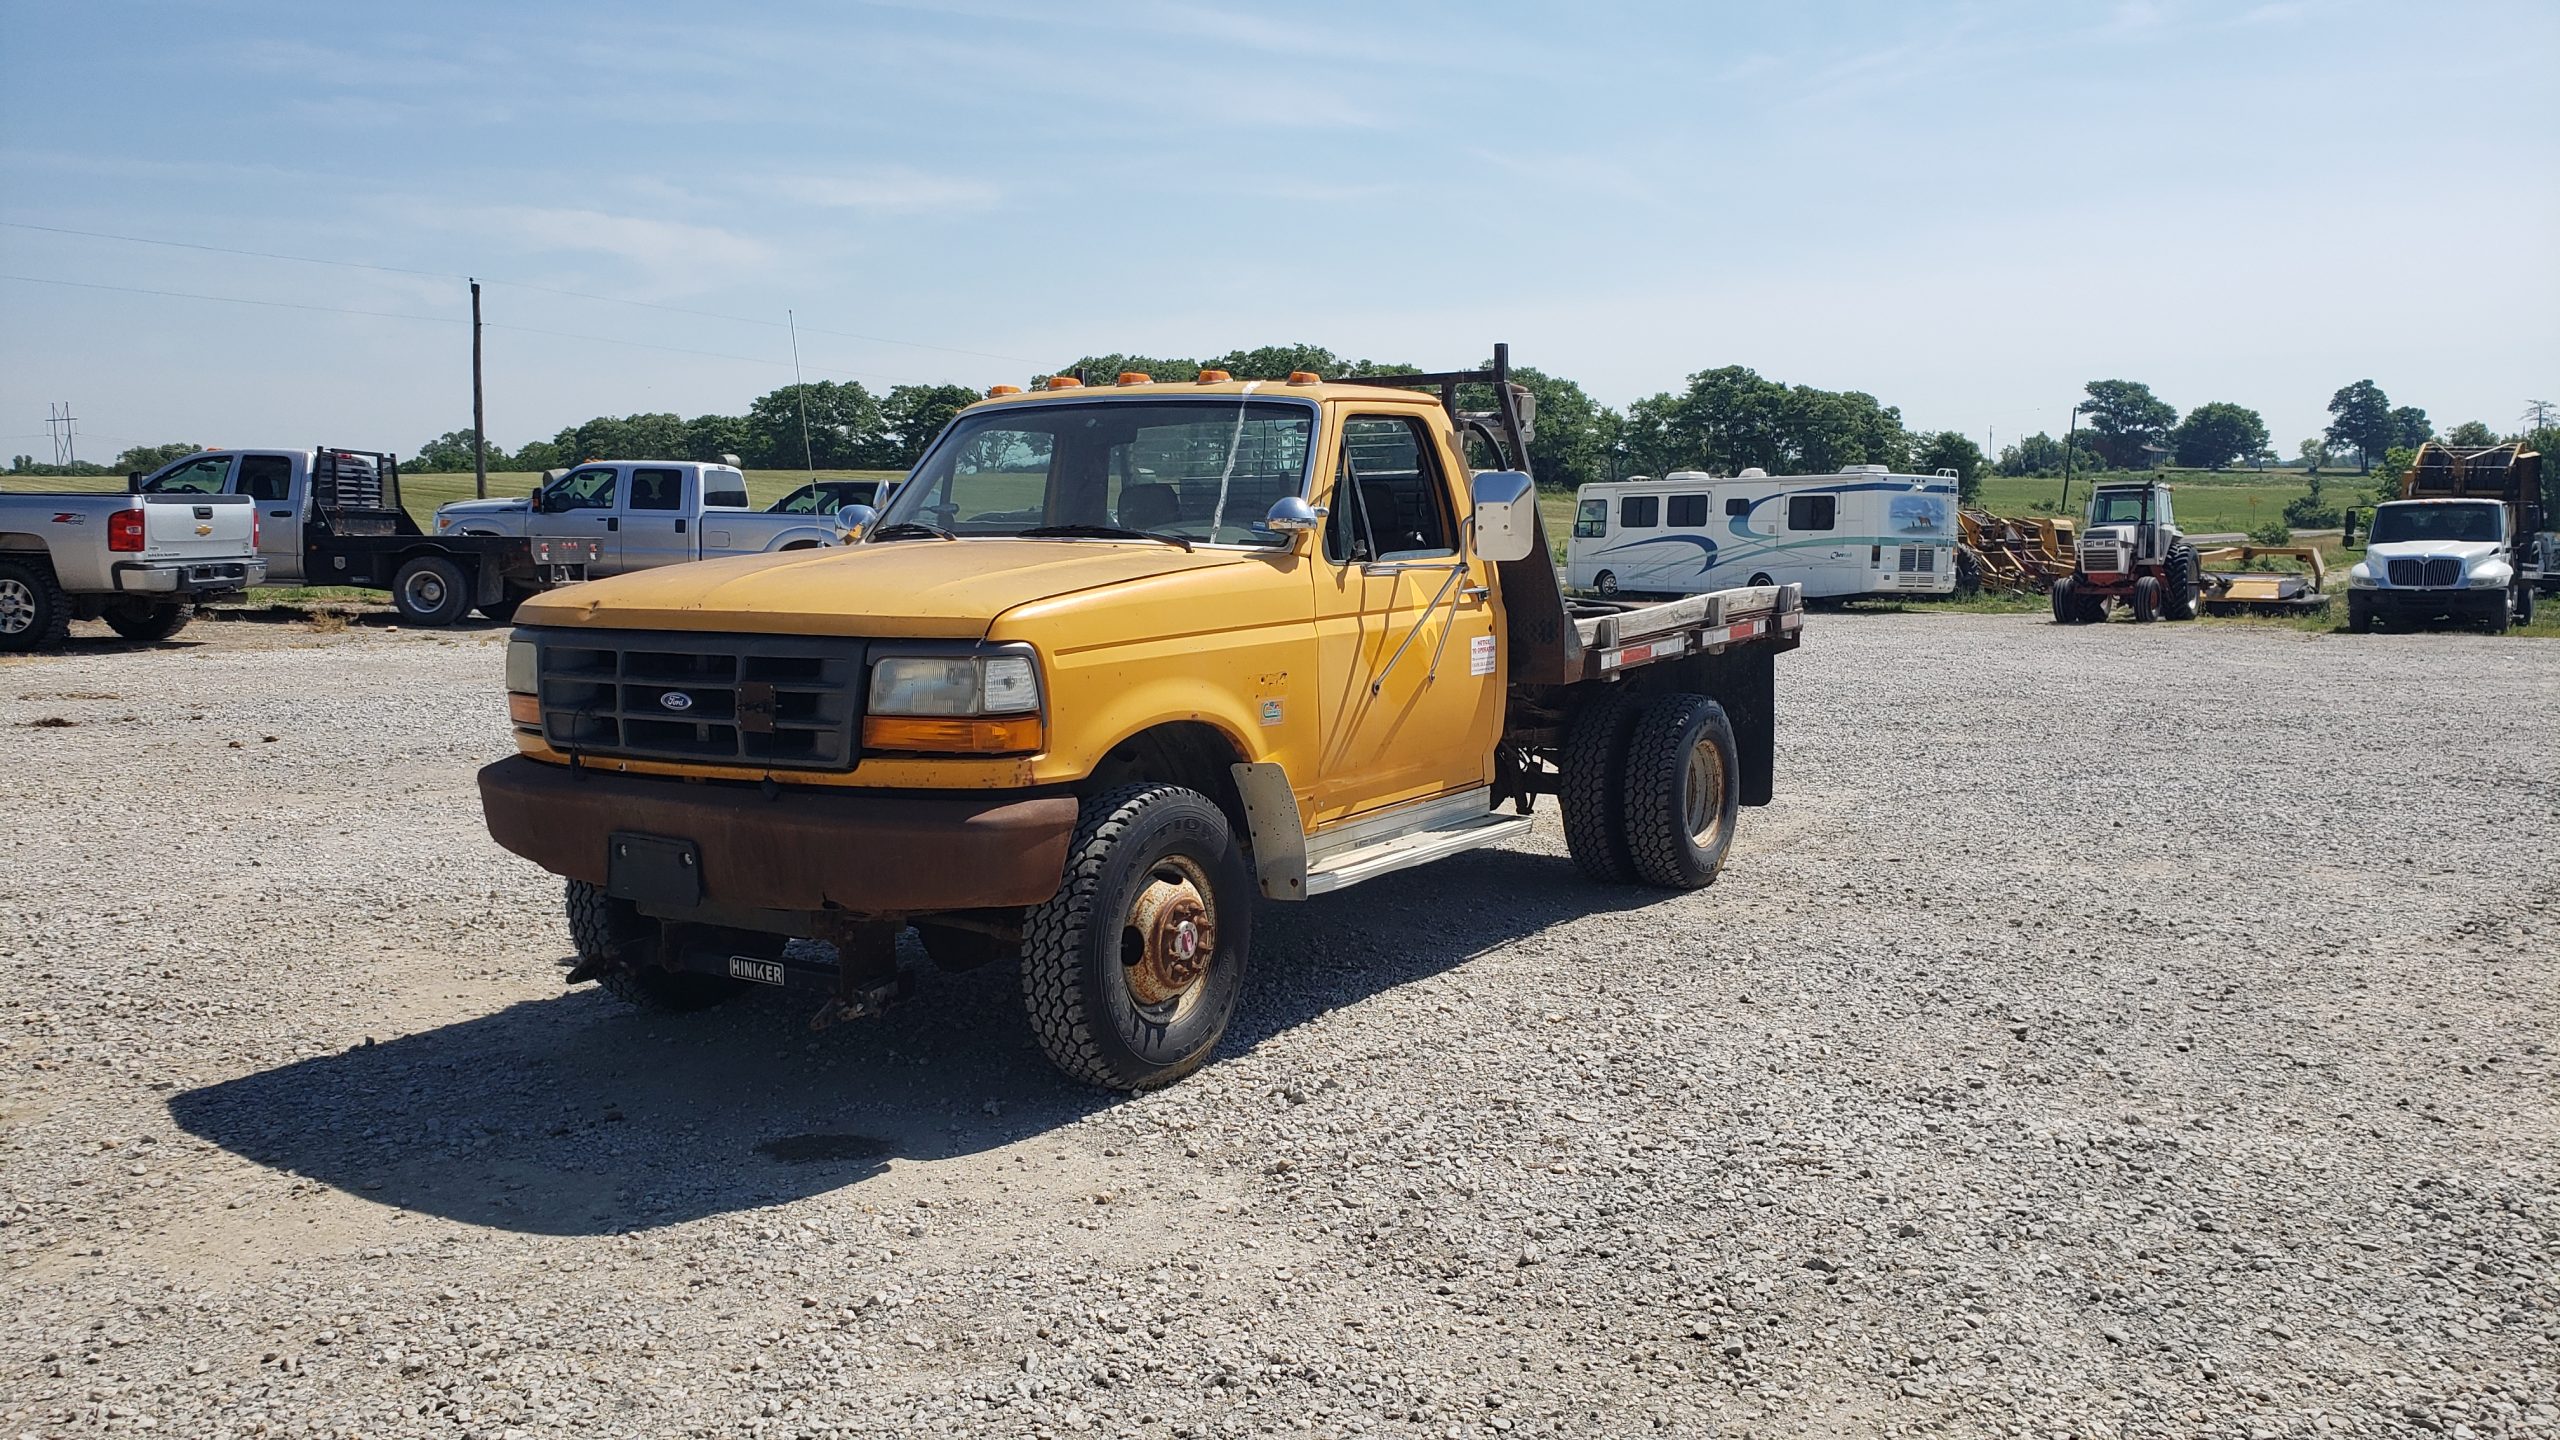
(2359, 578)
(957, 704)
(2492, 576)
(957, 685)
(524, 705)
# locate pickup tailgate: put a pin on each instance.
(198, 527)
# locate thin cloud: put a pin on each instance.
(897, 189)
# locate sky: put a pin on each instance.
(1965, 209)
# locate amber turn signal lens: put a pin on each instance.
(1014, 735)
(525, 710)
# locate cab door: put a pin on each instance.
(657, 506)
(1409, 665)
(585, 504)
(269, 481)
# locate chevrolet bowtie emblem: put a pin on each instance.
(204, 529)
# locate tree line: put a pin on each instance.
(1724, 420)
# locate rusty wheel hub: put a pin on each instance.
(1170, 935)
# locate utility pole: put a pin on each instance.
(800, 388)
(2070, 442)
(479, 417)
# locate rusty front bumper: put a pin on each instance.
(800, 848)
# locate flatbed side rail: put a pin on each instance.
(1620, 640)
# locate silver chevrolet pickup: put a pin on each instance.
(142, 563)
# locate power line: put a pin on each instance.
(451, 320)
(518, 284)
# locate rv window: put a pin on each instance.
(1737, 506)
(1591, 520)
(1688, 511)
(1639, 512)
(1811, 512)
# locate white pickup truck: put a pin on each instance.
(139, 562)
(644, 513)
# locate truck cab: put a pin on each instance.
(1113, 663)
(642, 514)
(2458, 544)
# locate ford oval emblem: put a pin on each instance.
(676, 700)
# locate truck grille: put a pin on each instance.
(762, 700)
(2099, 556)
(2434, 571)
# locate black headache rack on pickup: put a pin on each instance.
(358, 532)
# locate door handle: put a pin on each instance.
(279, 514)
(611, 523)
(679, 527)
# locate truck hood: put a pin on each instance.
(923, 588)
(2469, 552)
(482, 507)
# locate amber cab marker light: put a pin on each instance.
(994, 391)
(525, 710)
(1305, 377)
(1136, 377)
(1014, 735)
(1214, 377)
(1065, 382)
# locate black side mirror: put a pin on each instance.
(533, 502)
(133, 482)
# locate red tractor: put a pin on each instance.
(2131, 553)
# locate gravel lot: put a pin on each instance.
(2109, 1032)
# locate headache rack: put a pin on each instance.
(357, 492)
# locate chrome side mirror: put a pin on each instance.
(1290, 515)
(853, 520)
(1506, 516)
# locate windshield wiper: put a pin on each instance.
(1108, 532)
(910, 529)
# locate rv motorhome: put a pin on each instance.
(1863, 531)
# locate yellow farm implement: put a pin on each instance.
(2017, 556)
(2265, 592)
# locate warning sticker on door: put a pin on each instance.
(1480, 655)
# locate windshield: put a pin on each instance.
(2395, 523)
(2119, 507)
(1204, 470)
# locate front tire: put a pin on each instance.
(2359, 614)
(1130, 972)
(1606, 582)
(1683, 791)
(430, 590)
(2146, 599)
(34, 613)
(2524, 605)
(603, 927)
(150, 624)
(2066, 601)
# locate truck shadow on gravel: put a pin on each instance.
(575, 1116)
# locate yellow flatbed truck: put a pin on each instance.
(1116, 662)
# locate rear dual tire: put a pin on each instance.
(1651, 786)
(431, 590)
